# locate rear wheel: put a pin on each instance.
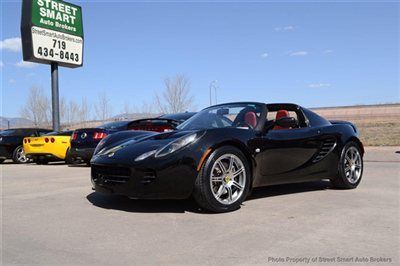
(19, 155)
(350, 167)
(68, 158)
(224, 180)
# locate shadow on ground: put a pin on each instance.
(79, 165)
(189, 205)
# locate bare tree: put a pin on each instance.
(146, 108)
(102, 107)
(37, 107)
(63, 110)
(127, 108)
(176, 96)
(73, 112)
(84, 110)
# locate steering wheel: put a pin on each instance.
(244, 123)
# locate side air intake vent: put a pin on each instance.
(327, 146)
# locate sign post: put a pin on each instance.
(55, 106)
(52, 33)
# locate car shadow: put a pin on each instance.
(143, 206)
(8, 162)
(181, 206)
(279, 190)
(79, 165)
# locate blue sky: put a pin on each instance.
(314, 54)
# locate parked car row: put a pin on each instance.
(217, 156)
(42, 146)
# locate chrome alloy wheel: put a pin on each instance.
(352, 165)
(228, 178)
(21, 157)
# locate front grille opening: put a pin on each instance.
(110, 175)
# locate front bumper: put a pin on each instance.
(43, 156)
(165, 182)
(81, 154)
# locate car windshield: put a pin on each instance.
(114, 125)
(15, 132)
(62, 133)
(238, 115)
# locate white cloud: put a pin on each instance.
(26, 64)
(298, 53)
(11, 81)
(264, 55)
(285, 28)
(319, 85)
(328, 51)
(11, 44)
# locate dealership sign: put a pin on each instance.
(52, 32)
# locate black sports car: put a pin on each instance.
(85, 140)
(224, 151)
(11, 143)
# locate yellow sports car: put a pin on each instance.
(50, 147)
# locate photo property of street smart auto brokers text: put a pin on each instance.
(200, 132)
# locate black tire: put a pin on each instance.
(202, 192)
(68, 158)
(17, 156)
(342, 179)
(2, 160)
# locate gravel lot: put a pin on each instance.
(51, 216)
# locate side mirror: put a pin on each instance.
(287, 122)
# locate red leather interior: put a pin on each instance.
(280, 114)
(251, 119)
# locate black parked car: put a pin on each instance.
(85, 140)
(11, 143)
(222, 152)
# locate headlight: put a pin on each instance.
(177, 144)
(145, 155)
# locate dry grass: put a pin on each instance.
(379, 133)
(379, 125)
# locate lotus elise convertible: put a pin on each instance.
(222, 152)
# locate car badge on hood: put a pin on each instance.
(83, 135)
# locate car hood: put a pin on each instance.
(137, 145)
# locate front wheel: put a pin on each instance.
(351, 167)
(224, 180)
(19, 155)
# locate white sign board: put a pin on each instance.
(57, 46)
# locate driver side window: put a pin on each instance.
(272, 116)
